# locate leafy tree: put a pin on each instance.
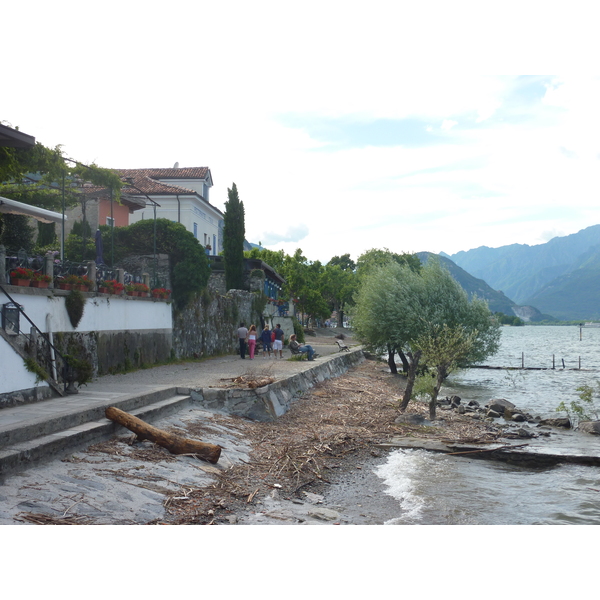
(234, 232)
(15, 232)
(427, 316)
(189, 264)
(371, 259)
(344, 262)
(338, 287)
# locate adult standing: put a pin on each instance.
(242, 334)
(265, 338)
(252, 340)
(278, 343)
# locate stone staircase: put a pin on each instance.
(42, 431)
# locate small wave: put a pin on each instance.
(401, 475)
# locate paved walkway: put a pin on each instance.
(109, 389)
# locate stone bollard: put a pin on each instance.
(49, 268)
(92, 271)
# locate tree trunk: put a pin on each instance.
(410, 381)
(441, 375)
(405, 365)
(391, 361)
(173, 443)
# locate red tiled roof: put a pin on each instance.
(175, 173)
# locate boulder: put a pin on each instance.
(518, 417)
(592, 427)
(559, 422)
(499, 405)
(493, 414)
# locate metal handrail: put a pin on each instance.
(57, 354)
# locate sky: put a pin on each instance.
(345, 126)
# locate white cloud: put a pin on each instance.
(294, 233)
(211, 93)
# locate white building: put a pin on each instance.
(182, 196)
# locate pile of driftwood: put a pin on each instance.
(248, 380)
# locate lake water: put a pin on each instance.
(438, 489)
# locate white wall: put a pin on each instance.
(99, 314)
(13, 374)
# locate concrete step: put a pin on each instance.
(68, 432)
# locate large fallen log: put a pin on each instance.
(173, 443)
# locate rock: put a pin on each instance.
(473, 404)
(493, 414)
(592, 427)
(412, 420)
(518, 417)
(524, 433)
(499, 405)
(454, 400)
(559, 422)
(324, 514)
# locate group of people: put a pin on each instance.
(271, 341)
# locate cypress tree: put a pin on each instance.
(234, 232)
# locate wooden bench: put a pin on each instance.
(342, 346)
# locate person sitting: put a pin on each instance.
(296, 346)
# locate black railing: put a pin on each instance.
(41, 350)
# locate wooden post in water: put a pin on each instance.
(522, 360)
(553, 366)
(580, 363)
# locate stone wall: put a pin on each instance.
(271, 401)
(208, 325)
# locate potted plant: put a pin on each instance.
(141, 288)
(161, 293)
(21, 276)
(110, 286)
(130, 289)
(86, 284)
(40, 280)
(69, 282)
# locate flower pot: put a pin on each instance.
(103, 290)
(80, 288)
(23, 282)
(39, 284)
(65, 286)
(132, 293)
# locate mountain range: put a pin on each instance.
(560, 278)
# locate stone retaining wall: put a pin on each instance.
(271, 401)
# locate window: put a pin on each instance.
(196, 230)
(110, 221)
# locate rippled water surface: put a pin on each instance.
(437, 489)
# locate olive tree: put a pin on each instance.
(428, 316)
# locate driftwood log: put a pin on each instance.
(173, 443)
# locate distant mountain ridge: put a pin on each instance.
(496, 300)
(560, 277)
